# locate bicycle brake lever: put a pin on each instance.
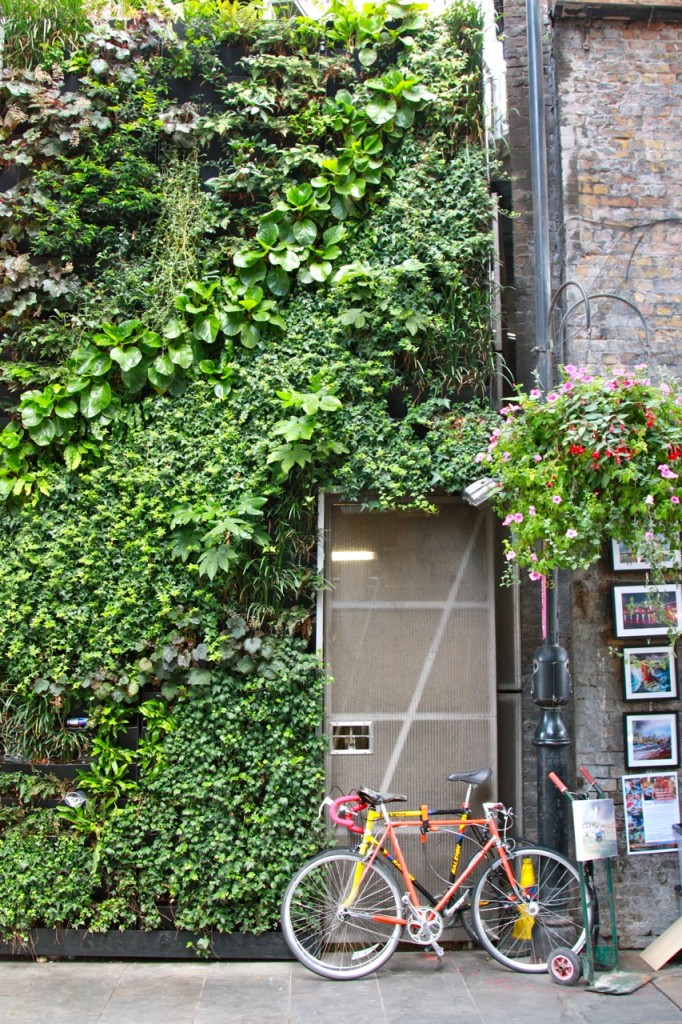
(327, 802)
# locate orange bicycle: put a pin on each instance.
(345, 911)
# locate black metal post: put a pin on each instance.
(551, 692)
(551, 681)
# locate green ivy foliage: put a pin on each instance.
(310, 319)
(213, 829)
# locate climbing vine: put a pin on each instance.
(229, 281)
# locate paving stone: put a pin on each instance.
(410, 989)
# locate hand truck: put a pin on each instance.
(564, 966)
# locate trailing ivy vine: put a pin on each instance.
(216, 305)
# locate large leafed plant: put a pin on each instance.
(224, 289)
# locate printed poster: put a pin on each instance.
(651, 809)
(595, 829)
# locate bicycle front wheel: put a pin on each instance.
(521, 937)
(330, 911)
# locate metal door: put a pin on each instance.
(409, 639)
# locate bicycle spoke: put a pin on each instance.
(327, 915)
(522, 938)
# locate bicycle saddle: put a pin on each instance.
(473, 778)
(371, 796)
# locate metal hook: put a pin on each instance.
(585, 301)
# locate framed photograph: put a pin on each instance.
(651, 740)
(646, 610)
(649, 673)
(652, 807)
(625, 559)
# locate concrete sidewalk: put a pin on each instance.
(466, 987)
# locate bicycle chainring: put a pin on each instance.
(424, 925)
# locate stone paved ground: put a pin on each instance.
(467, 987)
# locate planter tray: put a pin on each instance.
(62, 770)
(152, 945)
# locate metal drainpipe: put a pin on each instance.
(551, 687)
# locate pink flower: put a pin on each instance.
(510, 555)
(556, 499)
(568, 386)
(535, 575)
(666, 472)
(675, 500)
(552, 396)
(537, 458)
(518, 517)
(649, 500)
(649, 535)
(571, 533)
(535, 393)
(531, 510)
(480, 457)
(533, 557)
(508, 520)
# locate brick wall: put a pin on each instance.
(620, 98)
(614, 103)
(620, 91)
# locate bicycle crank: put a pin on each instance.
(424, 925)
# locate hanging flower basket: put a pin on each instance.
(598, 458)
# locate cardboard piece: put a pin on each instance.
(666, 945)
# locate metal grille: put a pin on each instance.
(409, 638)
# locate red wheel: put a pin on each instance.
(564, 966)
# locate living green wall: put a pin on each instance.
(214, 309)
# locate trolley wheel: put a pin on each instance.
(563, 966)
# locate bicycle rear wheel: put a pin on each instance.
(327, 921)
(465, 912)
(521, 939)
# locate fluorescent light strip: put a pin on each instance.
(353, 556)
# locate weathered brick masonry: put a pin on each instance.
(620, 104)
(614, 109)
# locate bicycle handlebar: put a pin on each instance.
(342, 814)
(588, 776)
(561, 786)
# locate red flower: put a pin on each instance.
(650, 419)
(576, 449)
(674, 452)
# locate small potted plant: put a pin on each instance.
(598, 457)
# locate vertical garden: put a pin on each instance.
(244, 261)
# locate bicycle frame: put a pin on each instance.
(463, 823)
(388, 844)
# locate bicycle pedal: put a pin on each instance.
(434, 951)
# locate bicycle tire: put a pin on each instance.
(520, 941)
(328, 935)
